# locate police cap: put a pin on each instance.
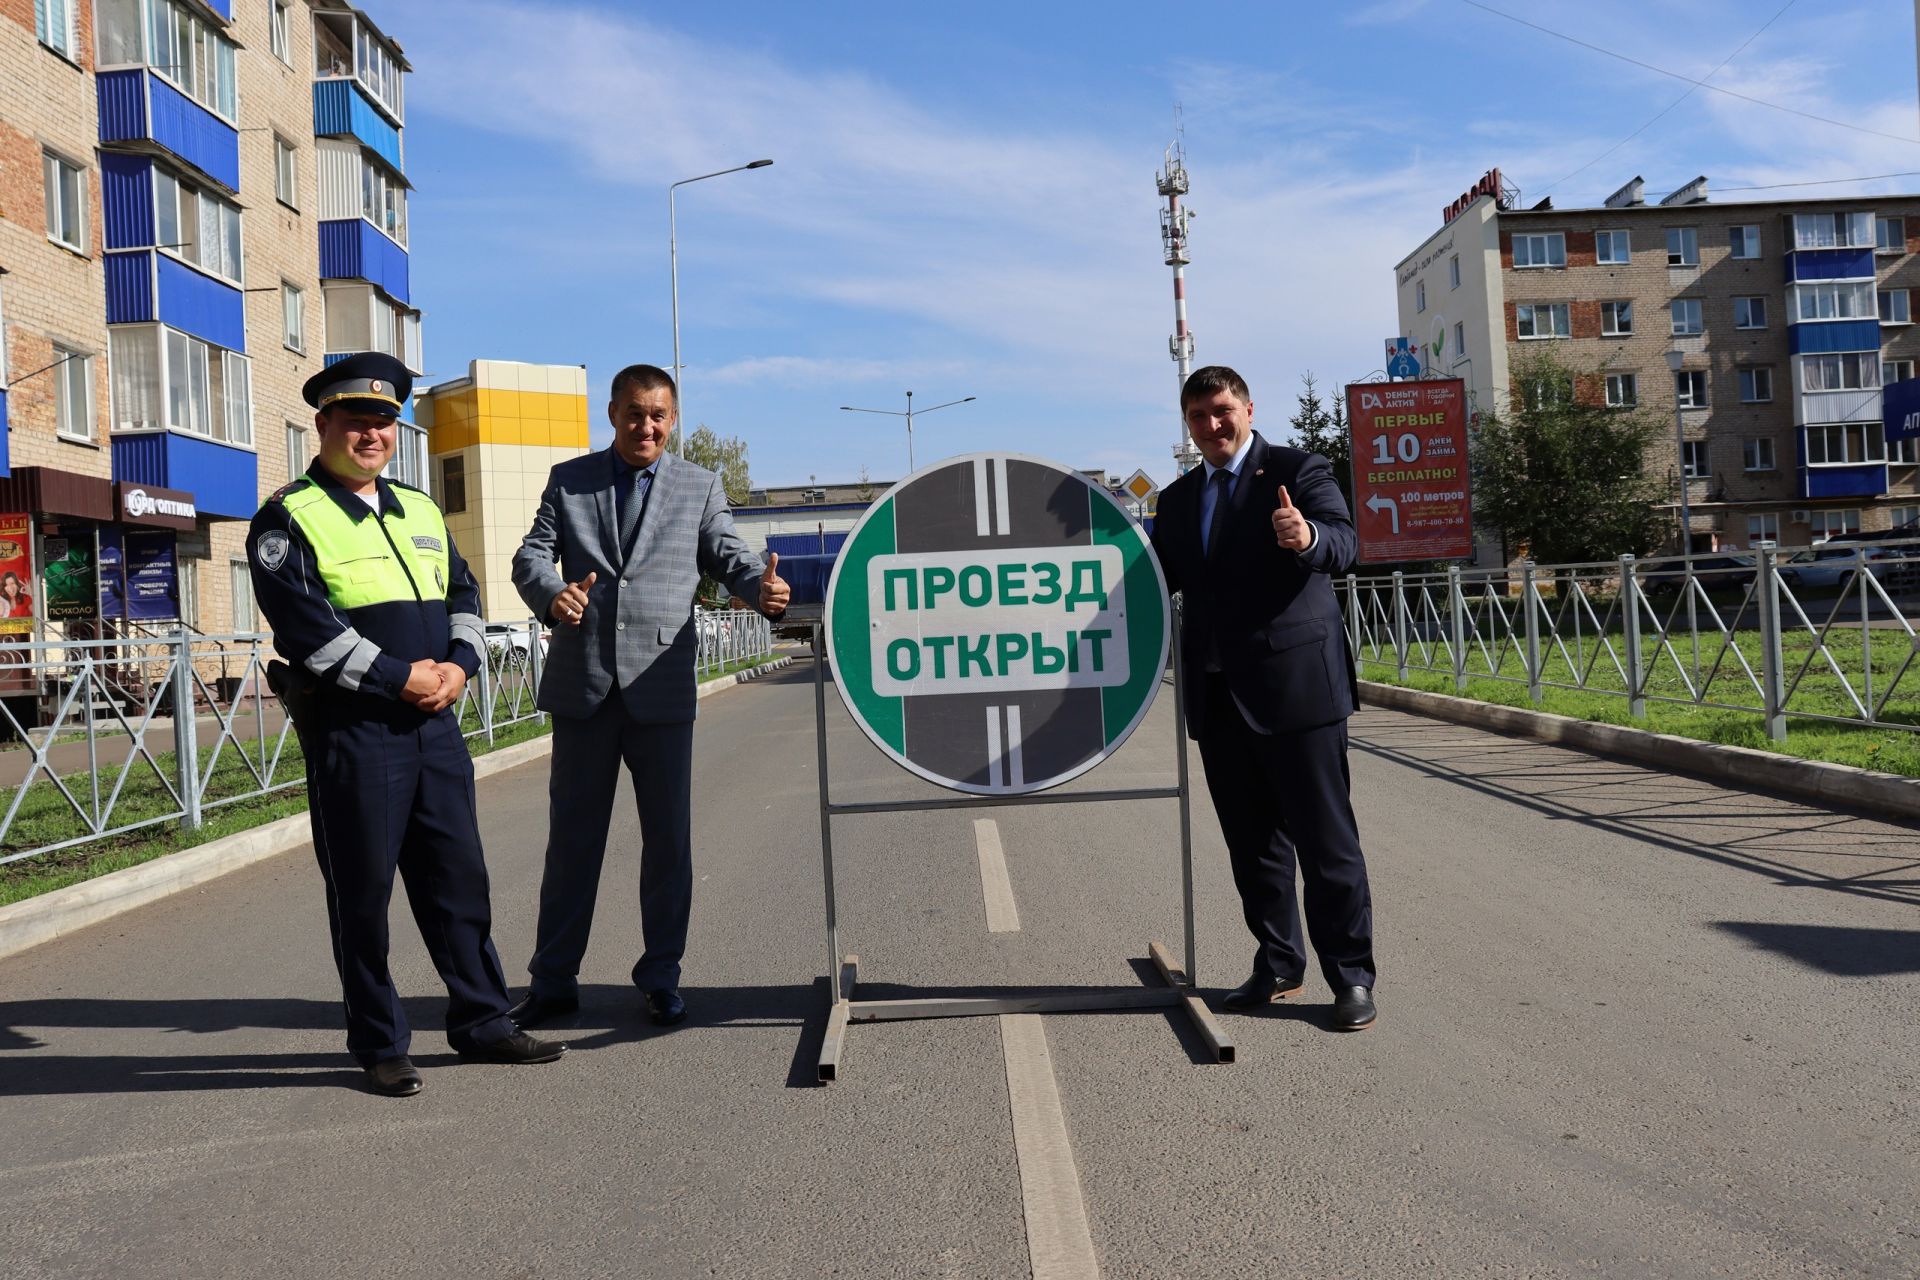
(370, 382)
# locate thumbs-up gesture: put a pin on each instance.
(774, 591)
(571, 604)
(1290, 528)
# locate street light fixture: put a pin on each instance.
(908, 415)
(673, 261)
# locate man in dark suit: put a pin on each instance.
(1251, 540)
(614, 560)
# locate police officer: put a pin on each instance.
(378, 616)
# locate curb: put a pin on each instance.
(1884, 795)
(715, 685)
(54, 915)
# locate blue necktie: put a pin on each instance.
(1222, 481)
(633, 505)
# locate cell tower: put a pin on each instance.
(1172, 182)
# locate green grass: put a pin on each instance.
(745, 664)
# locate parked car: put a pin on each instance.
(513, 641)
(1831, 564)
(1715, 573)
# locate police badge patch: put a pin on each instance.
(272, 550)
(427, 543)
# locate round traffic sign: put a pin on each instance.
(997, 624)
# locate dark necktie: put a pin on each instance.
(1222, 483)
(633, 504)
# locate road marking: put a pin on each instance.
(1059, 1245)
(995, 759)
(995, 886)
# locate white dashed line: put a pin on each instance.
(1002, 915)
(1059, 1245)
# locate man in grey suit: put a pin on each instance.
(614, 559)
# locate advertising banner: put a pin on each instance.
(139, 575)
(1900, 409)
(70, 577)
(16, 574)
(1412, 498)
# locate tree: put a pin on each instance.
(1321, 430)
(1564, 473)
(864, 485)
(726, 455)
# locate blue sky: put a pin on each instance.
(962, 200)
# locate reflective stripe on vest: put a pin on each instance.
(357, 558)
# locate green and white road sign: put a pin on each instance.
(997, 624)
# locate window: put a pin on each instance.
(193, 55)
(1854, 371)
(1616, 319)
(196, 226)
(1840, 444)
(383, 202)
(1832, 230)
(361, 318)
(1750, 313)
(1459, 339)
(293, 308)
(453, 484)
(1546, 392)
(1623, 390)
(1693, 460)
(1420, 295)
(1905, 452)
(1683, 247)
(1687, 317)
(1611, 248)
(297, 457)
(72, 375)
(1548, 250)
(53, 24)
(1900, 518)
(1892, 371)
(1541, 320)
(1893, 307)
(1763, 528)
(1756, 385)
(1834, 301)
(189, 587)
(1833, 524)
(1453, 271)
(1758, 453)
(286, 173)
(165, 378)
(66, 202)
(245, 619)
(1690, 388)
(1890, 235)
(278, 38)
(1746, 242)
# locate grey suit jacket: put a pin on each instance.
(638, 634)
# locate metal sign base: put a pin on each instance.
(1178, 990)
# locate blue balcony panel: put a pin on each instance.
(222, 7)
(130, 288)
(202, 306)
(1866, 480)
(126, 199)
(139, 107)
(222, 479)
(342, 109)
(5, 466)
(1829, 264)
(353, 249)
(1820, 337)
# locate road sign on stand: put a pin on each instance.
(1411, 494)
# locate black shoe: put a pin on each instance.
(394, 1078)
(1260, 990)
(1353, 1010)
(666, 1007)
(535, 1009)
(518, 1049)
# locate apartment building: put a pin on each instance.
(1766, 328)
(201, 203)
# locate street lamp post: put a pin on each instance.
(908, 415)
(673, 266)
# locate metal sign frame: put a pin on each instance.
(843, 971)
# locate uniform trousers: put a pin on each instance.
(383, 795)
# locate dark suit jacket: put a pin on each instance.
(1269, 614)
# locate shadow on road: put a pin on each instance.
(1836, 949)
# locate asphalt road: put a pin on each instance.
(1632, 1025)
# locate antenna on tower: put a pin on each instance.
(1172, 184)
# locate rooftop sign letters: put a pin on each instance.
(148, 504)
(1489, 185)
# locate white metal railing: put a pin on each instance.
(728, 637)
(1824, 633)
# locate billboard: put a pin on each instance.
(1411, 496)
(139, 575)
(72, 585)
(16, 574)
(1900, 409)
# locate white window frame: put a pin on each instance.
(1696, 462)
(177, 41)
(1833, 231)
(1756, 384)
(63, 42)
(1683, 246)
(1764, 527)
(1895, 307)
(72, 372)
(1618, 250)
(1882, 226)
(1750, 311)
(1693, 309)
(280, 30)
(286, 172)
(1744, 242)
(1453, 271)
(197, 388)
(1903, 453)
(1821, 524)
(1541, 250)
(1870, 436)
(1526, 316)
(226, 260)
(1459, 339)
(297, 453)
(1690, 388)
(293, 317)
(1841, 371)
(1898, 516)
(1616, 318)
(1892, 371)
(240, 588)
(1623, 390)
(66, 200)
(1419, 296)
(1834, 300)
(1756, 453)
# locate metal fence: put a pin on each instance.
(103, 753)
(730, 637)
(1820, 633)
